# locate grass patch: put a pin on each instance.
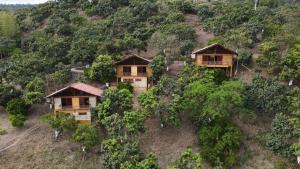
(2, 131)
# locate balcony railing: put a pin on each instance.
(66, 107)
(72, 108)
(142, 74)
(212, 62)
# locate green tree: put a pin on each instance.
(7, 93)
(219, 143)
(17, 109)
(149, 101)
(267, 95)
(278, 140)
(291, 63)
(188, 160)
(102, 69)
(158, 66)
(17, 120)
(8, 25)
(134, 121)
(226, 99)
(34, 91)
(125, 85)
(86, 135)
(17, 106)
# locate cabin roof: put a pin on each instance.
(81, 87)
(133, 60)
(215, 49)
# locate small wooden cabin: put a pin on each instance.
(215, 56)
(77, 99)
(135, 70)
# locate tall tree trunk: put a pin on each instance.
(255, 4)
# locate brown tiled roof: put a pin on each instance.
(82, 87)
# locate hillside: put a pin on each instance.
(191, 117)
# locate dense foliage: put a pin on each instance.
(219, 143)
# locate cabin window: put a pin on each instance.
(212, 59)
(66, 102)
(142, 70)
(84, 101)
(82, 113)
(127, 70)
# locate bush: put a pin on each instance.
(86, 135)
(220, 142)
(7, 92)
(134, 121)
(245, 57)
(102, 69)
(17, 120)
(217, 40)
(34, 91)
(2, 131)
(125, 85)
(267, 95)
(17, 106)
(281, 133)
(158, 66)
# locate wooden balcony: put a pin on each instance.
(142, 74)
(126, 73)
(212, 62)
(82, 107)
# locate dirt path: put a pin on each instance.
(202, 36)
(16, 140)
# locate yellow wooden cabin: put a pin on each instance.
(135, 70)
(215, 56)
(77, 99)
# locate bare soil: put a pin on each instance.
(202, 36)
(168, 143)
(39, 150)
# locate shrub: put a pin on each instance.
(217, 40)
(86, 135)
(102, 69)
(267, 95)
(245, 57)
(125, 85)
(62, 120)
(188, 160)
(2, 131)
(281, 133)
(220, 141)
(7, 92)
(158, 66)
(17, 106)
(134, 121)
(17, 120)
(34, 91)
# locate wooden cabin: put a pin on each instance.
(77, 99)
(135, 70)
(215, 56)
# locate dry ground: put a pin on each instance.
(202, 36)
(168, 143)
(39, 150)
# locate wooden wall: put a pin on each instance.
(227, 59)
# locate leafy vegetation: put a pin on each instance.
(86, 135)
(39, 46)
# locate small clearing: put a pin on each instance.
(202, 36)
(168, 143)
